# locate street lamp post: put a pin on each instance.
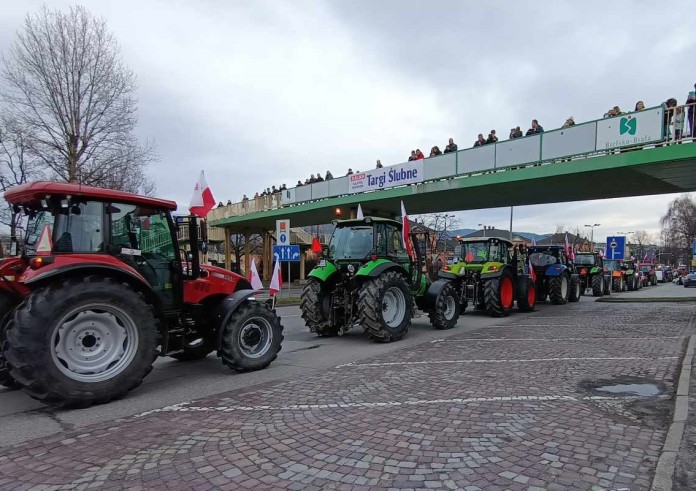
(627, 243)
(444, 237)
(592, 233)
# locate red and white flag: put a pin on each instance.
(567, 245)
(276, 280)
(202, 200)
(532, 274)
(406, 231)
(254, 277)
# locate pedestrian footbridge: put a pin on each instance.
(629, 155)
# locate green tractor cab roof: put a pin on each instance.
(365, 221)
(497, 240)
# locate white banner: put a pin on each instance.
(387, 177)
(630, 129)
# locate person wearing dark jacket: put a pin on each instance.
(535, 129)
(691, 110)
(480, 141)
(435, 151)
(329, 175)
(516, 133)
(492, 138)
(452, 147)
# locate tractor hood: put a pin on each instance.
(223, 274)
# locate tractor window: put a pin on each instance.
(542, 259)
(79, 228)
(351, 243)
(35, 225)
(395, 241)
(141, 231)
(475, 252)
(584, 260)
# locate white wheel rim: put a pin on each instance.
(393, 306)
(564, 287)
(94, 343)
(450, 307)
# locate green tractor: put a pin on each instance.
(490, 273)
(593, 274)
(366, 277)
(633, 280)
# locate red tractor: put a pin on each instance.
(102, 288)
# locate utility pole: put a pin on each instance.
(592, 233)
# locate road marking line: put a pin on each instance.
(465, 340)
(186, 406)
(528, 360)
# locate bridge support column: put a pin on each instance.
(228, 250)
(247, 261)
(303, 257)
(267, 255)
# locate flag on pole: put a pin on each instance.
(254, 277)
(532, 274)
(276, 280)
(359, 215)
(533, 241)
(566, 247)
(202, 200)
(406, 230)
(316, 245)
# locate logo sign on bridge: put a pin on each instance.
(289, 253)
(630, 129)
(283, 232)
(616, 247)
(394, 175)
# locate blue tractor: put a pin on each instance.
(556, 275)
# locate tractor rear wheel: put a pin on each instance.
(386, 307)
(446, 311)
(316, 308)
(526, 301)
(251, 338)
(575, 290)
(499, 295)
(7, 307)
(607, 286)
(616, 284)
(559, 289)
(82, 341)
(597, 286)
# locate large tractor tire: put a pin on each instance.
(526, 301)
(82, 341)
(446, 312)
(499, 295)
(7, 307)
(616, 284)
(597, 286)
(251, 338)
(386, 307)
(575, 290)
(315, 306)
(559, 289)
(607, 285)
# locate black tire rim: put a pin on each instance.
(255, 337)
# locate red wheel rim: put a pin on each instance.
(506, 293)
(531, 296)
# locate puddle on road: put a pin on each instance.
(635, 389)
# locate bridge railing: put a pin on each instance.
(608, 135)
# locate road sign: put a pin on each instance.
(694, 248)
(286, 253)
(616, 247)
(283, 232)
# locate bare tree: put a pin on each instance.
(439, 225)
(18, 165)
(65, 82)
(643, 239)
(679, 226)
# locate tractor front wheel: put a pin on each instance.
(597, 286)
(499, 295)
(559, 289)
(575, 290)
(386, 307)
(315, 306)
(82, 342)
(251, 338)
(446, 311)
(527, 299)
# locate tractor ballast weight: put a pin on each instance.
(102, 289)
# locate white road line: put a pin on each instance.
(466, 340)
(528, 360)
(187, 407)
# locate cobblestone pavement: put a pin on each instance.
(513, 407)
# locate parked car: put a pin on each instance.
(669, 274)
(690, 279)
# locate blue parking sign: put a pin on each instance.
(616, 246)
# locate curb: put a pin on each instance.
(646, 299)
(668, 458)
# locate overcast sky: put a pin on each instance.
(259, 92)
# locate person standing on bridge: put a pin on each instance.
(435, 151)
(329, 176)
(492, 137)
(535, 129)
(413, 156)
(452, 147)
(516, 133)
(419, 155)
(479, 141)
(379, 164)
(691, 110)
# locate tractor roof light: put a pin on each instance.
(40, 261)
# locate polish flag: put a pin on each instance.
(254, 277)
(202, 200)
(406, 231)
(567, 246)
(532, 274)
(359, 215)
(276, 280)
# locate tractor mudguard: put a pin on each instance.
(492, 270)
(595, 270)
(447, 275)
(492, 274)
(555, 270)
(376, 268)
(228, 306)
(428, 301)
(323, 273)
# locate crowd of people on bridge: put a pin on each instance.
(675, 119)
